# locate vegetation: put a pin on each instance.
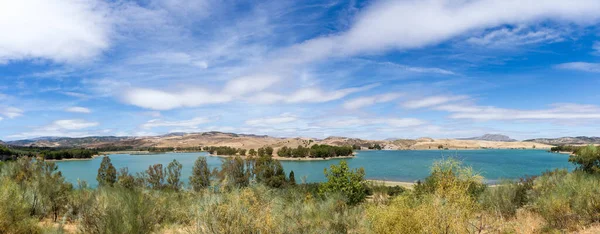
(315, 151)
(587, 159)
(12, 152)
(254, 195)
(565, 148)
(340, 179)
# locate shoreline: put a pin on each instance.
(71, 159)
(286, 159)
(391, 183)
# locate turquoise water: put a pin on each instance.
(386, 165)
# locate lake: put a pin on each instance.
(405, 165)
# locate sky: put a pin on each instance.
(368, 69)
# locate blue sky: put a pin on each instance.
(368, 69)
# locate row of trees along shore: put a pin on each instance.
(46, 152)
(315, 151)
(256, 195)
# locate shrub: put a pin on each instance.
(14, 210)
(567, 200)
(118, 210)
(587, 159)
(340, 179)
(444, 204)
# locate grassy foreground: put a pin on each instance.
(256, 196)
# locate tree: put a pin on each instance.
(107, 174)
(200, 177)
(269, 171)
(174, 175)
(155, 176)
(292, 179)
(252, 152)
(242, 152)
(233, 172)
(587, 159)
(261, 152)
(269, 151)
(345, 181)
(125, 179)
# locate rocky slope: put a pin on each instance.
(248, 141)
(580, 140)
(491, 137)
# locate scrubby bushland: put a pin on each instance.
(445, 203)
(506, 198)
(253, 195)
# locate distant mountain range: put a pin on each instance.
(580, 140)
(491, 137)
(250, 141)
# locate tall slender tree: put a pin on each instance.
(174, 175)
(200, 177)
(107, 174)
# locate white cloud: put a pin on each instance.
(561, 111)
(360, 102)
(580, 66)
(71, 124)
(58, 30)
(270, 121)
(249, 84)
(511, 37)
(354, 122)
(432, 101)
(1, 118)
(66, 127)
(190, 124)
(78, 109)
(11, 112)
(161, 100)
(438, 21)
(596, 48)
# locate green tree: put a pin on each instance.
(125, 179)
(292, 179)
(233, 172)
(174, 175)
(269, 151)
(261, 152)
(587, 159)
(252, 152)
(107, 174)
(200, 177)
(345, 181)
(155, 176)
(269, 171)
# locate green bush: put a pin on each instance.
(14, 210)
(567, 200)
(119, 210)
(508, 196)
(350, 183)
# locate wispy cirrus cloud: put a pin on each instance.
(432, 101)
(559, 111)
(188, 124)
(580, 66)
(78, 109)
(360, 102)
(62, 128)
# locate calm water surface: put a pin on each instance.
(387, 165)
